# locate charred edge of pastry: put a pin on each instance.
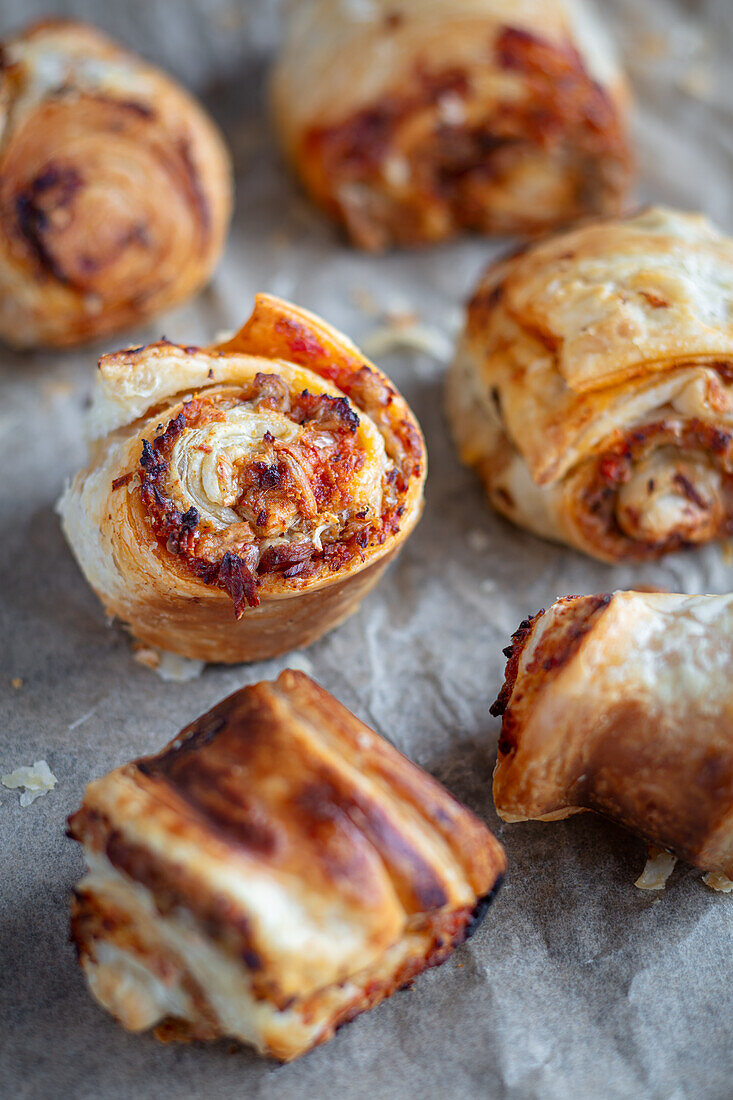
(482, 907)
(513, 652)
(554, 651)
(574, 108)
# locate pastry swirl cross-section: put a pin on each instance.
(241, 500)
(623, 704)
(412, 120)
(276, 870)
(593, 386)
(115, 187)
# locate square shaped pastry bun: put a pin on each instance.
(276, 870)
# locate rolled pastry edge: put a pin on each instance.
(619, 704)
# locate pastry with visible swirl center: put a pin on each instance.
(592, 387)
(115, 188)
(276, 870)
(241, 500)
(412, 120)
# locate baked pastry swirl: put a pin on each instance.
(276, 870)
(622, 704)
(411, 120)
(115, 188)
(242, 500)
(592, 387)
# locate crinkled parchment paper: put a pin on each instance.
(578, 984)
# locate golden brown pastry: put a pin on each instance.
(276, 870)
(242, 500)
(115, 188)
(623, 704)
(411, 120)
(592, 387)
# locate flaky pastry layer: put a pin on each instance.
(276, 870)
(592, 391)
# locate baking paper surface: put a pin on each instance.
(578, 984)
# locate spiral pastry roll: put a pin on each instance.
(115, 188)
(276, 870)
(412, 120)
(592, 387)
(242, 500)
(623, 705)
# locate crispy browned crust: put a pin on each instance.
(458, 170)
(269, 775)
(86, 250)
(574, 739)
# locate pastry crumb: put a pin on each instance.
(364, 300)
(169, 666)
(718, 882)
(653, 46)
(478, 541)
(696, 82)
(657, 869)
(36, 779)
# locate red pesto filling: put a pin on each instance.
(562, 103)
(605, 474)
(280, 481)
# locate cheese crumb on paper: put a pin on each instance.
(37, 780)
(169, 666)
(657, 869)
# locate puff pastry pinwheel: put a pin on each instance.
(115, 188)
(241, 500)
(623, 704)
(411, 120)
(592, 387)
(276, 870)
